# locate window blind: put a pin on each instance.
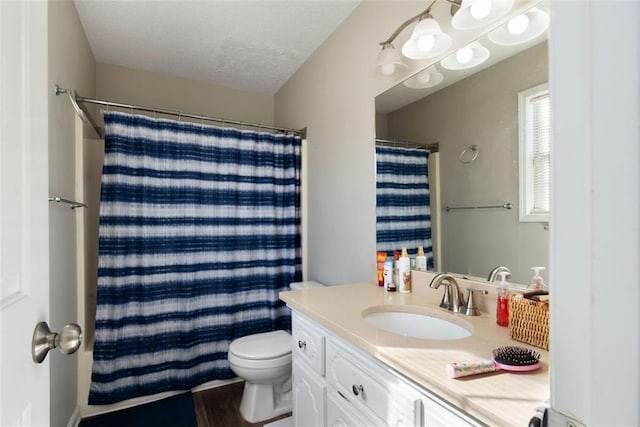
(541, 161)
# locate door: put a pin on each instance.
(309, 396)
(24, 227)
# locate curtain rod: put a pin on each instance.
(85, 116)
(432, 147)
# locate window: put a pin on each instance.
(534, 110)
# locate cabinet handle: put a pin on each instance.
(357, 389)
(302, 344)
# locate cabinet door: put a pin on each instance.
(309, 397)
(308, 343)
(340, 413)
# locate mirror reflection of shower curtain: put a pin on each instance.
(403, 211)
(199, 232)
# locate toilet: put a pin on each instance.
(264, 362)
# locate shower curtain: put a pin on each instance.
(403, 210)
(199, 232)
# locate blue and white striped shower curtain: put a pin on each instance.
(199, 231)
(403, 209)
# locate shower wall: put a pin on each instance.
(138, 87)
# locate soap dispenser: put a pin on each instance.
(502, 308)
(536, 280)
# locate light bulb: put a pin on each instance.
(423, 78)
(426, 42)
(518, 24)
(480, 9)
(464, 55)
(387, 69)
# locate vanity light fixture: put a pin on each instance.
(424, 79)
(521, 29)
(427, 38)
(389, 63)
(469, 56)
(477, 13)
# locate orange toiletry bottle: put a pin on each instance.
(381, 257)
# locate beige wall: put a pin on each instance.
(71, 65)
(144, 88)
(333, 95)
(483, 110)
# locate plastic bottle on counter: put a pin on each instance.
(404, 272)
(381, 257)
(421, 260)
(502, 309)
(395, 281)
(388, 276)
(536, 280)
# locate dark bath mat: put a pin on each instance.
(175, 411)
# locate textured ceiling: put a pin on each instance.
(249, 45)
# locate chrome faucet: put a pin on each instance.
(496, 271)
(451, 300)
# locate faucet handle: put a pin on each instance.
(470, 309)
(446, 298)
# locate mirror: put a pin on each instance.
(473, 116)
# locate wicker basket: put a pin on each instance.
(529, 321)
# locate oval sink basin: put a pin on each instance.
(415, 325)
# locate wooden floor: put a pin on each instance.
(220, 407)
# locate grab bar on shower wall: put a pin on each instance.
(71, 203)
(506, 205)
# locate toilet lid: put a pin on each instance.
(267, 345)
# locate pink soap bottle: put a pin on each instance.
(502, 310)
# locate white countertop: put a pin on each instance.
(500, 398)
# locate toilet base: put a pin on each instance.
(261, 402)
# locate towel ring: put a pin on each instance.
(473, 148)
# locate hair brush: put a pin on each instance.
(508, 358)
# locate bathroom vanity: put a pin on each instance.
(347, 371)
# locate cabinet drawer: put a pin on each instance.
(367, 384)
(341, 413)
(442, 414)
(308, 343)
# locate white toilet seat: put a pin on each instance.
(261, 351)
(267, 345)
(260, 364)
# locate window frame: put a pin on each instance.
(525, 148)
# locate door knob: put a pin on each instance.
(67, 341)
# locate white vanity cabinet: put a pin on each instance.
(336, 384)
(308, 386)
